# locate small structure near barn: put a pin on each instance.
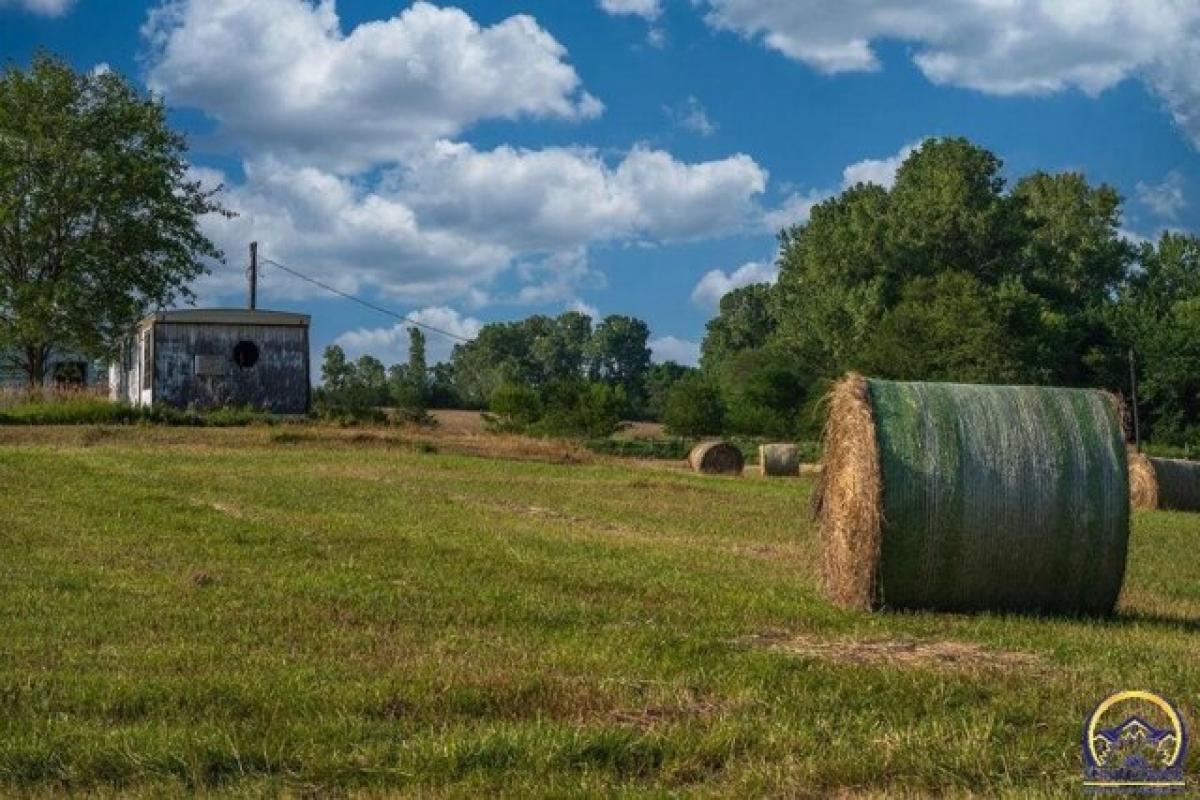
(212, 358)
(64, 368)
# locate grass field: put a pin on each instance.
(308, 612)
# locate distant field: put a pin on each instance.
(319, 612)
(465, 422)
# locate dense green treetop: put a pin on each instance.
(99, 216)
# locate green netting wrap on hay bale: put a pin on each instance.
(779, 460)
(971, 498)
(1170, 484)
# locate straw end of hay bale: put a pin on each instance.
(716, 458)
(1143, 485)
(848, 502)
(779, 460)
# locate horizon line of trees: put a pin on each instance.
(949, 275)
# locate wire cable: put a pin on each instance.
(362, 302)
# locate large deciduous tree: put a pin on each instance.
(99, 216)
(950, 276)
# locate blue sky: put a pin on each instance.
(488, 160)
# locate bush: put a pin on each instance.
(514, 408)
(673, 449)
(694, 408)
(83, 410)
(563, 408)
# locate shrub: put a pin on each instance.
(84, 409)
(562, 408)
(513, 408)
(694, 408)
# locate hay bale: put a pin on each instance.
(1171, 484)
(1143, 485)
(779, 460)
(967, 498)
(716, 458)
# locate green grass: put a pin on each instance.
(677, 448)
(82, 409)
(224, 612)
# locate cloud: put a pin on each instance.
(795, 210)
(670, 348)
(48, 8)
(449, 222)
(797, 207)
(559, 198)
(1002, 47)
(348, 234)
(1165, 199)
(646, 9)
(390, 344)
(691, 116)
(879, 171)
(587, 309)
(280, 76)
(716, 284)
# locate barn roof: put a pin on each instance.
(227, 316)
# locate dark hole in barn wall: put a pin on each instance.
(245, 354)
(198, 366)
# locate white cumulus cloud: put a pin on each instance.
(716, 284)
(390, 344)
(690, 115)
(797, 207)
(449, 222)
(558, 198)
(48, 8)
(1004, 47)
(881, 171)
(585, 308)
(671, 348)
(646, 9)
(1166, 199)
(281, 76)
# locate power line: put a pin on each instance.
(362, 302)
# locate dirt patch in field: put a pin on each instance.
(649, 718)
(894, 652)
(641, 430)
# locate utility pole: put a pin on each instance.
(1137, 434)
(253, 275)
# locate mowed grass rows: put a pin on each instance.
(246, 613)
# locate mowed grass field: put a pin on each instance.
(304, 612)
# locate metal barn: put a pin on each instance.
(212, 358)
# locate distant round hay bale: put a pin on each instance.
(969, 498)
(1143, 485)
(779, 460)
(1170, 484)
(716, 458)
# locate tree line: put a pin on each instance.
(949, 274)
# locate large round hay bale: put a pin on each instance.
(1175, 482)
(779, 460)
(716, 458)
(1143, 485)
(968, 498)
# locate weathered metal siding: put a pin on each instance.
(194, 366)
